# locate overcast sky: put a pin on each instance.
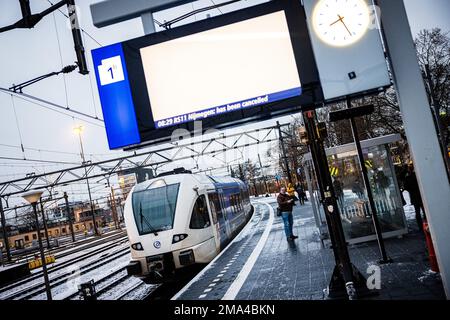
(26, 54)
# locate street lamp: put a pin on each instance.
(33, 197)
(78, 130)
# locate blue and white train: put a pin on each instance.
(179, 220)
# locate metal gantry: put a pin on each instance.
(154, 158)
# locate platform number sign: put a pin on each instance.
(111, 71)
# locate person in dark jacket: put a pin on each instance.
(339, 191)
(410, 184)
(301, 193)
(286, 203)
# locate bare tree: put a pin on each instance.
(433, 50)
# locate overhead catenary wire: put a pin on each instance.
(34, 100)
(92, 88)
(37, 160)
(82, 30)
(17, 125)
(61, 59)
(218, 8)
(55, 151)
(168, 24)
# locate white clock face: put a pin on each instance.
(341, 22)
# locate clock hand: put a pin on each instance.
(342, 20)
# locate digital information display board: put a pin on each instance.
(240, 67)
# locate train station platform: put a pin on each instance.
(260, 264)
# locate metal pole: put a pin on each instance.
(77, 40)
(45, 224)
(4, 231)
(283, 150)
(69, 216)
(419, 128)
(346, 279)
(148, 23)
(88, 186)
(113, 205)
(264, 176)
(376, 223)
(41, 249)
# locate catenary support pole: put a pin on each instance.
(69, 216)
(48, 290)
(44, 222)
(5, 232)
(114, 209)
(284, 154)
(264, 176)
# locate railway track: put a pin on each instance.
(64, 251)
(110, 287)
(130, 290)
(64, 264)
(38, 288)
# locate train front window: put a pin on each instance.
(154, 209)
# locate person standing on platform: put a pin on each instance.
(291, 191)
(301, 193)
(339, 191)
(285, 204)
(410, 184)
(357, 189)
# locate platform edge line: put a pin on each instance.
(237, 284)
(201, 273)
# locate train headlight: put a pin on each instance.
(178, 237)
(137, 246)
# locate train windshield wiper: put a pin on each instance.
(144, 219)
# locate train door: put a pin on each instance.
(221, 219)
(216, 215)
(226, 207)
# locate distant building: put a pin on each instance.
(128, 178)
(25, 234)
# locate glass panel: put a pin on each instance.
(154, 209)
(385, 189)
(200, 216)
(352, 194)
(214, 203)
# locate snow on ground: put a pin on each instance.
(81, 242)
(68, 269)
(120, 289)
(140, 292)
(87, 250)
(71, 286)
(427, 275)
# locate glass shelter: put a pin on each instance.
(351, 193)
